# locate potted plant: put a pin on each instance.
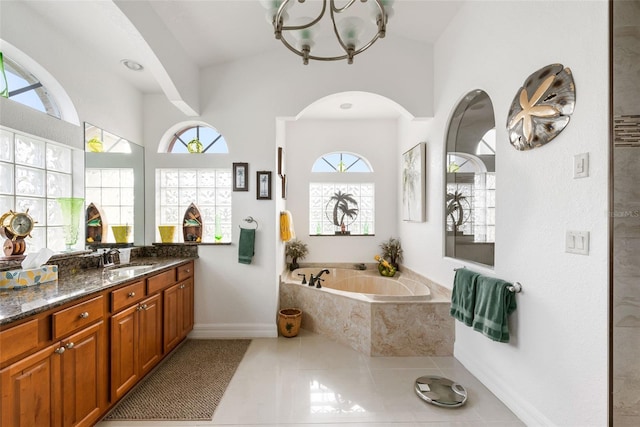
(392, 252)
(295, 249)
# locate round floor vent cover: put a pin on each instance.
(440, 391)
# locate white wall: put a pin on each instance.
(376, 141)
(242, 100)
(99, 97)
(554, 371)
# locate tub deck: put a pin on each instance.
(375, 324)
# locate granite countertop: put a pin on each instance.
(16, 304)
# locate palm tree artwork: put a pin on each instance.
(455, 210)
(342, 208)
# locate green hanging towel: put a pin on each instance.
(246, 245)
(463, 296)
(494, 303)
(5, 89)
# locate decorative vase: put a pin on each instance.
(71, 208)
(294, 264)
(167, 233)
(289, 320)
(386, 272)
(122, 233)
(218, 229)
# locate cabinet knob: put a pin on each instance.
(69, 345)
(131, 294)
(139, 308)
(84, 315)
(144, 306)
(182, 286)
(59, 350)
(188, 270)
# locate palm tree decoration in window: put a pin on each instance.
(457, 210)
(342, 205)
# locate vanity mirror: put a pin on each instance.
(114, 187)
(470, 180)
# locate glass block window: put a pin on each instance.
(471, 206)
(341, 162)
(112, 191)
(23, 87)
(341, 208)
(34, 174)
(209, 189)
(198, 139)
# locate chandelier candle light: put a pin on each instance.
(297, 33)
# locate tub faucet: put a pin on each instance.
(304, 278)
(315, 281)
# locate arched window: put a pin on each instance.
(23, 87)
(197, 139)
(341, 162)
(342, 208)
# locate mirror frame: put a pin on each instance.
(471, 119)
(134, 160)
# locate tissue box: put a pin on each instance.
(13, 279)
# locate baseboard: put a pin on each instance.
(234, 330)
(526, 412)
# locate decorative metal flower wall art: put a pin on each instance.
(541, 108)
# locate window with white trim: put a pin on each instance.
(23, 87)
(198, 139)
(208, 189)
(341, 208)
(35, 173)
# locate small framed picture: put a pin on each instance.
(263, 181)
(240, 174)
(281, 161)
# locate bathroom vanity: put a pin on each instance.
(70, 349)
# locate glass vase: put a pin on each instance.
(218, 229)
(71, 208)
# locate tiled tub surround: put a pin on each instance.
(380, 321)
(16, 304)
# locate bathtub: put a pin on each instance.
(407, 315)
(368, 285)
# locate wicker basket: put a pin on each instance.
(289, 320)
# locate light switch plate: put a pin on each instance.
(577, 242)
(581, 165)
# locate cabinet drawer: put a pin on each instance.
(126, 296)
(185, 271)
(73, 318)
(161, 281)
(18, 340)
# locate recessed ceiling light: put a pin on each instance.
(132, 65)
(346, 106)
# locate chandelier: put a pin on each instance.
(298, 34)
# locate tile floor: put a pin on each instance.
(311, 380)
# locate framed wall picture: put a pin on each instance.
(263, 183)
(240, 174)
(284, 186)
(281, 161)
(414, 183)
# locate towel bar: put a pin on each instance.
(516, 288)
(250, 219)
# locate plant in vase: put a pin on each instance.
(384, 267)
(295, 249)
(392, 252)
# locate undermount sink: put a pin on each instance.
(127, 271)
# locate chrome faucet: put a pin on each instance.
(107, 259)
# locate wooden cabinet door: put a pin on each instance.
(172, 317)
(83, 377)
(186, 288)
(150, 333)
(124, 351)
(29, 390)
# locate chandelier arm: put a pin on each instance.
(315, 58)
(340, 9)
(278, 17)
